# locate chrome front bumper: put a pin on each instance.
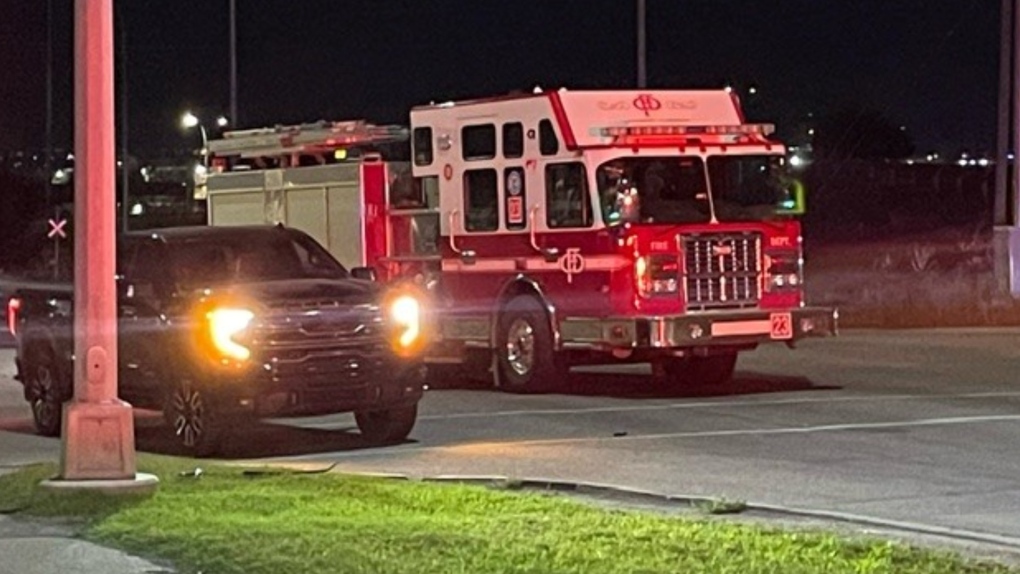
(717, 328)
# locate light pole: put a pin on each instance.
(98, 428)
(190, 120)
(642, 75)
(233, 61)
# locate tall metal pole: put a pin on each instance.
(48, 161)
(1014, 123)
(234, 120)
(98, 428)
(125, 173)
(642, 75)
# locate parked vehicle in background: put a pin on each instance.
(218, 325)
(553, 229)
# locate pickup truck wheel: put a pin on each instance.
(191, 417)
(524, 348)
(712, 370)
(386, 426)
(46, 393)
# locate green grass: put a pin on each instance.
(225, 522)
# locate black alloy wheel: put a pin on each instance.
(386, 426)
(46, 390)
(192, 419)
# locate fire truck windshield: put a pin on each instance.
(676, 189)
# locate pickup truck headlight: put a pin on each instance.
(405, 314)
(224, 326)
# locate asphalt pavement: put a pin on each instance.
(908, 428)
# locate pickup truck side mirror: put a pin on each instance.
(366, 273)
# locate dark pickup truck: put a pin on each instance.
(219, 324)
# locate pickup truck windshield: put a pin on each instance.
(202, 261)
(675, 189)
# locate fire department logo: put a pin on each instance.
(572, 263)
(647, 103)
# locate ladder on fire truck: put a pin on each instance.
(287, 143)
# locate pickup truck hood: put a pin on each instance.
(343, 291)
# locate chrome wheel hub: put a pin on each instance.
(520, 347)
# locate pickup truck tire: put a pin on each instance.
(713, 370)
(525, 356)
(191, 415)
(46, 389)
(386, 426)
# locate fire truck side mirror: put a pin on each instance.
(365, 273)
(551, 254)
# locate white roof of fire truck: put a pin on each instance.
(310, 138)
(593, 118)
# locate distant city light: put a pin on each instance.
(796, 161)
(811, 131)
(962, 161)
(137, 209)
(752, 90)
(983, 162)
(222, 121)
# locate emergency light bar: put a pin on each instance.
(741, 129)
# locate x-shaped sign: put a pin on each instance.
(57, 228)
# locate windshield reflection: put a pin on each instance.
(675, 190)
(202, 262)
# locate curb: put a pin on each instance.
(998, 540)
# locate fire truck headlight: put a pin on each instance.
(656, 275)
(405, 313)
(225, 324)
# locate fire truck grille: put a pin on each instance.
(330, 345)
(722, 270)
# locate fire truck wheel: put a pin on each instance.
(526, 360)
(388, 426)
(701, 371)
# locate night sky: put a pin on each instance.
(931, 65)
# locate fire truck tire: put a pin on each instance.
(712, 370)
(525, 356)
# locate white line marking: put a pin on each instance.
(660, 436)
(711, 404)
(774, 431)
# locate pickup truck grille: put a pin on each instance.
(322, 345)
(722, 270)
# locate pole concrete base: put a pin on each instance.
(140, 484)
(99, 441)
(1006, 253)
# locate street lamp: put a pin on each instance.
(190, 120)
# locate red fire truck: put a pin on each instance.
(554, 228)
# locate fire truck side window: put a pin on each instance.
(548, 143)
(478, 142)
(566, 196)
(513, 140)
(422, 146)
(481, 200)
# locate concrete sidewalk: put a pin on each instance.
(35, 546)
